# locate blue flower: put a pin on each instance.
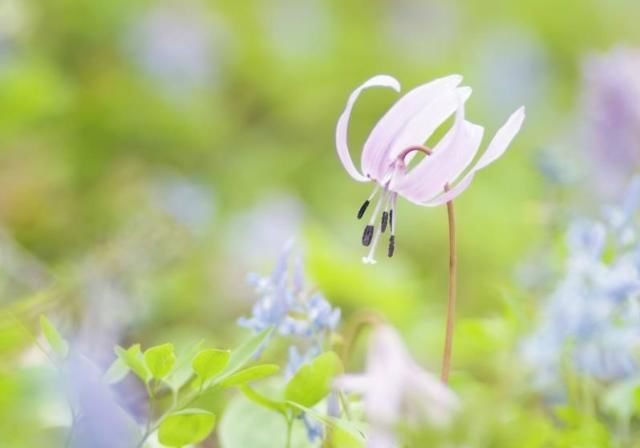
(306, 319)
(592, 318)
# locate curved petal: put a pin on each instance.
(450, 158)
(343, 122)
(497, 147)
(502, 139)
(381, 139)
(356, 383)
(424, 124)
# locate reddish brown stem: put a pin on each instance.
(451, 303)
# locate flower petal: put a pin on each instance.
(450, 158)
(424, 124)
(356, 383)
(496, 148)
(343, 122)
(502, 139)
(375, 155)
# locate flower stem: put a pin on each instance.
(289, 430)
(451, 303)
(356, 325)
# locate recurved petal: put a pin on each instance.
(497, 147)
(502, 139)
(376, 149)
(450, 158)
(343, 122)
(424, 123)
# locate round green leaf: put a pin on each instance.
(210, 362)
(160, 360)
(312, 382)
(186, 427)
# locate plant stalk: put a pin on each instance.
(451, 302)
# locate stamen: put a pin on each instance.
(367, 235)
(392, 224)
(363, 208)
(369, 258)
(385, 220)
(365, 204)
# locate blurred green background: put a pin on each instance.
(154, 152)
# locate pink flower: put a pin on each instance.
(397, 390)
(397, 137)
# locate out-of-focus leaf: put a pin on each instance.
(312, 382)
(208, 363)
(243, 354)
(160, 360)
(183, 370)
(53, 337)
(132, 357)
(253, 395)
(186, 427)
(116, 372)
(245, 425)
(251, 374)
(351, 431)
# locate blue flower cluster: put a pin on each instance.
(591, 321)
(303, 316)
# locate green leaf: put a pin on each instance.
(243, 354)
(160, 360)
(116, 372)
(350, 430)
(278, 406)
(182, 372)
(51, 334)
(251, 374)
(245, 425)
(132, 357)
(312, 382)
(208, 363)
(186, 427)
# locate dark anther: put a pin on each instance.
(391, 219)
(367, 235)
(385, 220)
(392, 246)
(363, 208)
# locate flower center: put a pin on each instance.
(387, 203)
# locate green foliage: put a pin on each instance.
(246, 425)
(278, 406)
(208, 363)
(312, 382)
(244, 353)
(160, 360)
(186, 427)
(133, 359)
(53, 337)
(250, 375)
(116, 372)
(183, 370)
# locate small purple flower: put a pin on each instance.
(397, 390)
(400, 133)
(307, 319)
(592, 318)
(610, 104)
